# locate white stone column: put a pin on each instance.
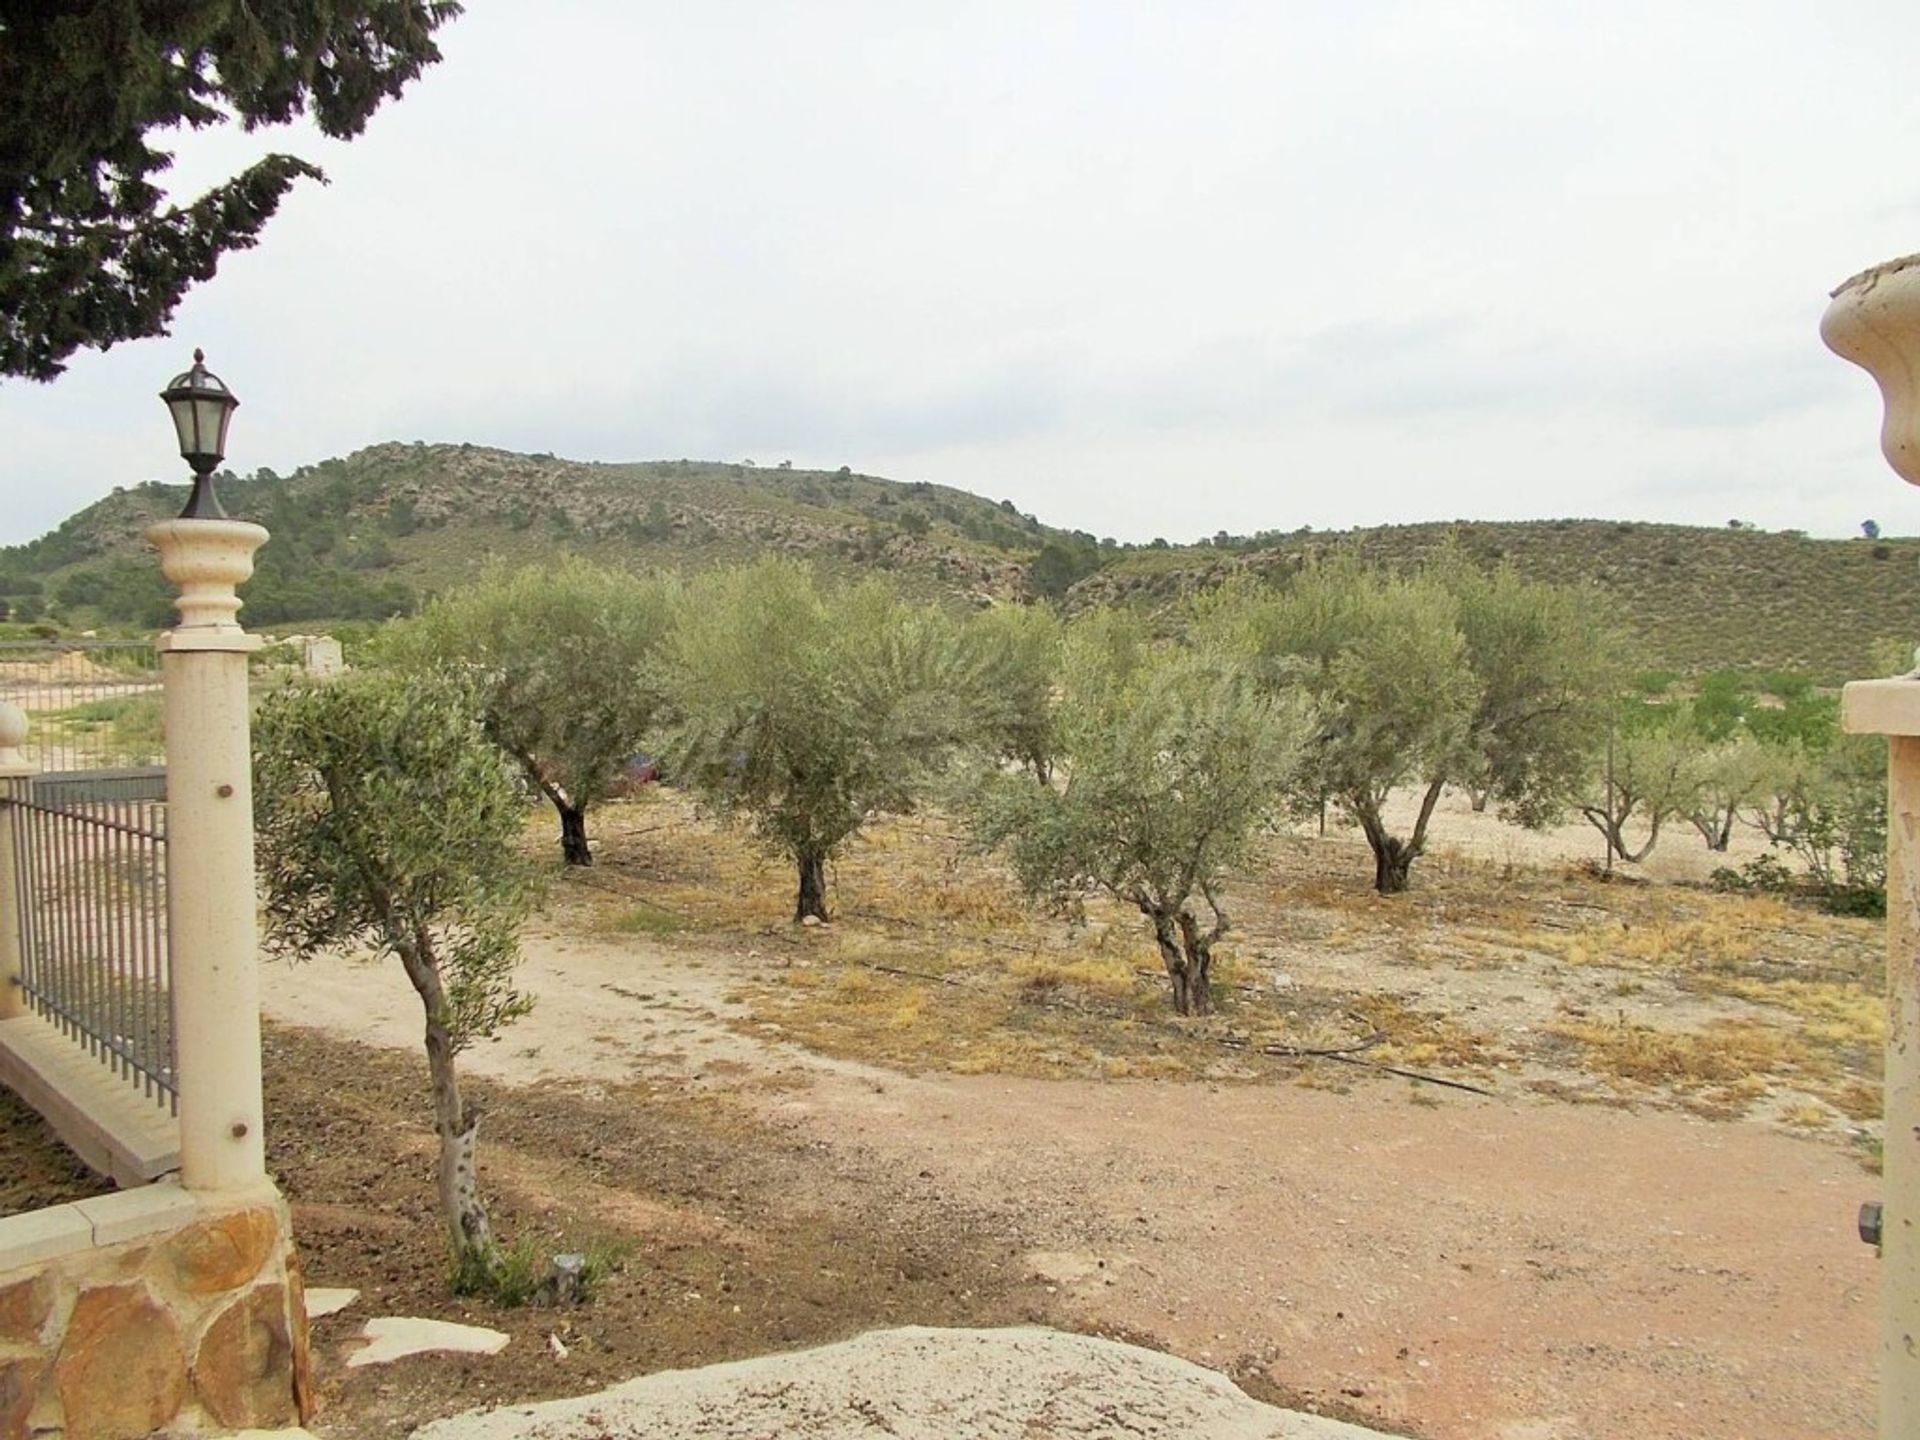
(211, 925)
(1874, 321)
(16, 775)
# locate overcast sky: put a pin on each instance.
(1145, 269)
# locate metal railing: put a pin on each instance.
(89, 703)
(90, 852)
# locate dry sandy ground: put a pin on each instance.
(1454, 1267)
(1681, 854)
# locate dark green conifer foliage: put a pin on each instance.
(91, 253)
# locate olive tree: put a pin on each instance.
(1167, 763)
(1828, 807)
(1383, 659)
(561, 660)
(1648, 773)
(1731, 777)
(810, 709)
(1546, 664)
(386, 822)
(1447, 675)
(1017, 652)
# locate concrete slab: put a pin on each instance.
(41, 1235)
(322, 1301)
(394, 1337)
(129, 1214)
(916, 1384)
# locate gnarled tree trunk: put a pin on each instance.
(1392, 864)
(812, 899)
(1716, 828)
(458, 1127)
(1393, 857)
(1613, 827)
(1187, 952)
(1635, 857)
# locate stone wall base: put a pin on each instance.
(152, 1308)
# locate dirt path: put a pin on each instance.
(1470, 1269)
(1462, 1269)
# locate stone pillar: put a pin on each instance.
(211, 926)
(16, 778)
(1874, 321)
(1892, 708)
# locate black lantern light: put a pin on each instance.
(202, 405)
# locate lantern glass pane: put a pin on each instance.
(183, 424)
(210, 421)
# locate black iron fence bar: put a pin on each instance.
(92, 873)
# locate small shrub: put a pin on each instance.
(521, 1274)
(1866, 901)
(1769, 874)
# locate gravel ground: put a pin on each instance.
(1430, 1263)
(917, 1384)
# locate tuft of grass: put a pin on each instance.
(514, 1276)
(1723, 1053)
(1109, 974)
(644, 919)
(1424, 1038)
(1854, 1099)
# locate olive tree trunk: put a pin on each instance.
(1393, 857)
(1716, 828)
(573, 813)
(458, 1126)
(812, 899)
(1187, 952)
(573, 834)
(1613, 827)
(469, 1236)
(1392, 863)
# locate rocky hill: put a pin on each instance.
(372, 534)
(369, 535)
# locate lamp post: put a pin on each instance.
(212, 938)
(1874, 321)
